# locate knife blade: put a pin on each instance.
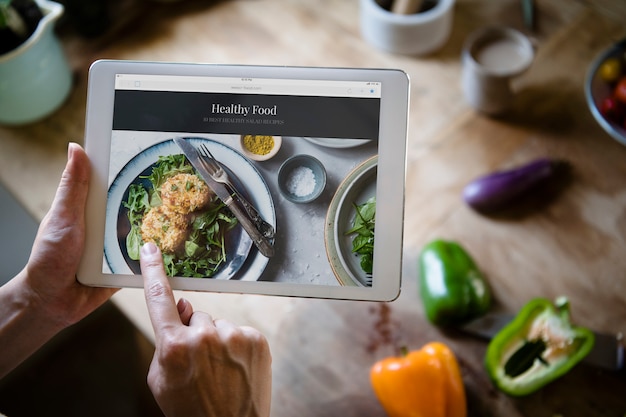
(224, 194)
(607, 351)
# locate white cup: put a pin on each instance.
(411, 34)
(492, 57)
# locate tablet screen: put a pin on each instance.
(307, 166)
(155, 194)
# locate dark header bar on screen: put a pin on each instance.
(280, 115)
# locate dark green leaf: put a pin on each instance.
(363, 226)
(133, 243)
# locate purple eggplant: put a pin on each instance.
(506, 190)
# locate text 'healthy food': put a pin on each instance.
(537, 347)
(452, 288)
(180, 214)
(425, 382)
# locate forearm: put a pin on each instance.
(24, 324)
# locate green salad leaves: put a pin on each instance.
(204, 249)
(363, 227)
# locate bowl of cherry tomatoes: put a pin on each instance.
(605, 90)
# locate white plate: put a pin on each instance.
(338, 143)
(358, 187)
(240, 265)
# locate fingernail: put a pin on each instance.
(149, 249)
(70, 150)
(182, 305)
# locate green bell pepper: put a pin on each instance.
(538, 346)
(452, 288)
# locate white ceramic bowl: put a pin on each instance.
(411, 34)
(278, 140)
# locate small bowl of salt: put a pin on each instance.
(301, 178)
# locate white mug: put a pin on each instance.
(492, 57)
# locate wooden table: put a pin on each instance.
(574, 246)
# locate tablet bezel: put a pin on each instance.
(390, 180)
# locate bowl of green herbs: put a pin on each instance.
(350, 224)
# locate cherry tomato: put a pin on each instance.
(613, 110)
(620, 90)
(610, 70)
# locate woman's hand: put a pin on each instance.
(58, 248)
(201, 366)
(45, 297)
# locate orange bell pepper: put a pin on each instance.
(420, 383)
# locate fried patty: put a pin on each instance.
(185, 193)
(166, 228)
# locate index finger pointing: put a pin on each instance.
(159, 296)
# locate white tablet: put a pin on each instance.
(188, 156)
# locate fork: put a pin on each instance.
(367, 280)
(220, 175)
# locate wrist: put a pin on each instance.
(54, 304)
(24, 323)
(29, 303)
(28, 307)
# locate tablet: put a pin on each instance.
(188, 156)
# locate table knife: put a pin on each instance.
(223, 193)
(607, 352)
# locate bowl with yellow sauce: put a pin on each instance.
(260, 147)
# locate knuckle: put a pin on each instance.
(152, 264)
(250, 339)
(203, 336)
(156, 289)
(255, 336)
(173, 351)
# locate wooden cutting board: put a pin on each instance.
(325, 348)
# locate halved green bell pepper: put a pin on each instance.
(452, 288)
(538, 346)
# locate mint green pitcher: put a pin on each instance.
(35, 78)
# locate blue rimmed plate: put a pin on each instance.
(243, 262)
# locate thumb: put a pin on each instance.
(72, 191)
(158, 292)
(62, 230)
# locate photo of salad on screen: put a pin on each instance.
(178, 212)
